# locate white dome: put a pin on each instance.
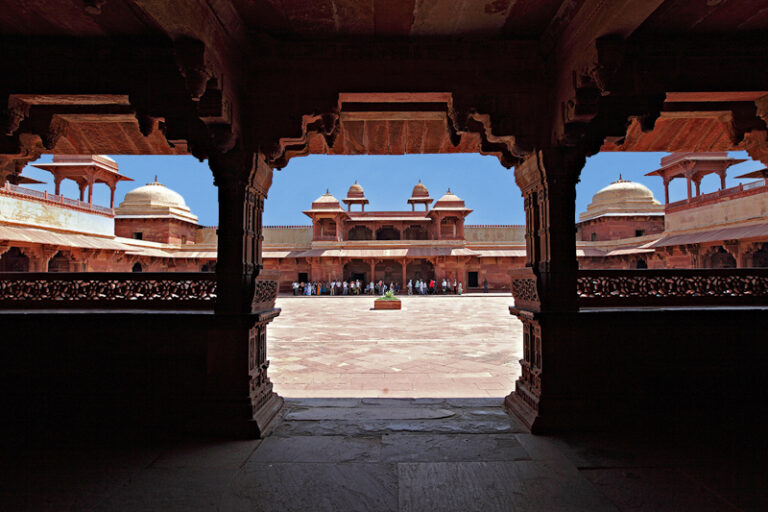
(155, 194)
(154, 200)
(622, 197)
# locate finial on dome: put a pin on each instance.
(155, 178)
(449, 190)
(328, 191)
(619, 176)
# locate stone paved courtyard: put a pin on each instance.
(439, 346)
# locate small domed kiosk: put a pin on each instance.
(355, 195)
(420, 195)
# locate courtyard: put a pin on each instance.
(435, 347)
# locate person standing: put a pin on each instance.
(346, 287)
(410, 287)
(454, 286)
(485, 285)
(445, 285)
(295, 287)
(459, 288)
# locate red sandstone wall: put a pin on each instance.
(169, 231)
(614, 228)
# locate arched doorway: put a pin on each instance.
(720, 258)
(357, 269)
(760, 257)
(14, 261)
(59, 263)
(387, 233)
(209, 267)
(420, 269)
(360, 233)
(416, 232)
(137, 267)
(389, 271)
(641, 263)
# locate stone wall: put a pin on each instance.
(740, 208)
(288, 236)
(169, 231)
(494, 233)
(616, 228)
(30, 212)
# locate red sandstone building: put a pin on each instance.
(153, 229)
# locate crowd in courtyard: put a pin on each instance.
(355, 287)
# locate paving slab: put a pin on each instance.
(316, 449)
(450, 447)
(282, 487)
(368, 413)
(496, 487)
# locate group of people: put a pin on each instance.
(424, 287)
(355, 287)
(351, 287)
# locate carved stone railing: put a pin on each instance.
(524, 289)
(672, 287)
(107, 290)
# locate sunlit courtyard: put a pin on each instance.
(436, 346)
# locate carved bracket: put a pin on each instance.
(265, 290)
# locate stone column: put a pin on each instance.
(239, 396)
(545, 290)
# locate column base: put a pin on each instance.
(238, 420)
(517, 403)
(266, 415)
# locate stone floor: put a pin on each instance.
(368, 455)
(436, 346)
(342, 443)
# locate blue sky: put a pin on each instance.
(487, 187)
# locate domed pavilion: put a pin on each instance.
(155, 212)
(623, 209)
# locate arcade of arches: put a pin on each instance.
(541, 87)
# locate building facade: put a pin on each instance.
(624, 227)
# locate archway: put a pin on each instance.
(389, 271)
(137, 267)
(720, 258)
(416, 232)
(760, 256)
(420, 269)
(357, 269)
(360, 233)
(14, 261)
(59, 263)
(387, 233)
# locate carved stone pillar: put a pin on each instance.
(240, 399)
(545, 290)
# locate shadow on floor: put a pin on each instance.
(379, 455)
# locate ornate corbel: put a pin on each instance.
(16, 112)
(193, 65)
